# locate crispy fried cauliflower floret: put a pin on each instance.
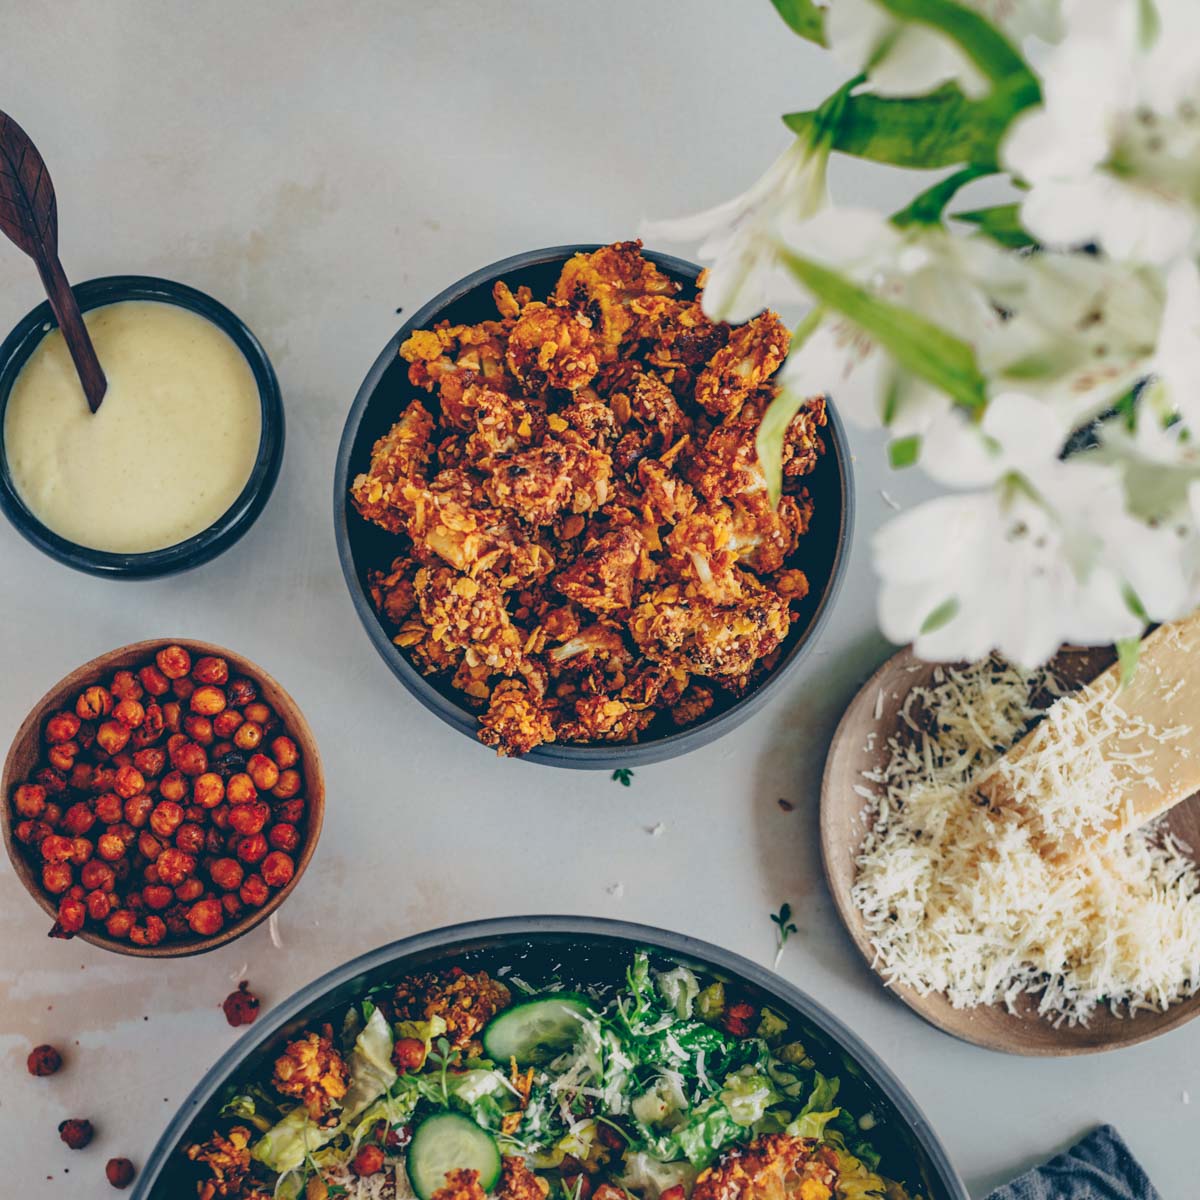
(763, 538)
(228, 1162)
(605, 719)
(773, 1167)
(518, 718)
(392, 592)
(465, 1002)
(518, 1182)
(555, 477)
(460, 1185)
(666, 499)
(396, 458)
(552, 347)
(503, 424)
(653, 405)
(312, 1071)
(693, 704)
(753, 354)
(682, 338)
(469, 615)
(602, 578)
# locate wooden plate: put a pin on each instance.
(25, 752)
(843, 829)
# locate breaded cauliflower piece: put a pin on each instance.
(518, 718)
(772, 1167)
(552, 347)
(470, 355)
(312, 1071)
(666, 498)
(227, 1159)
(392, 590)
(557, 476)
(602, 578)
(653, 405)
(465, 1002)
(605, 719)
(682, 338)
(503, 424)
(518, 1182)
(460, 1185)
(590, 416)
(397, 458)
(762, 537)
(752, 355)
(693, 704)
(469, 615)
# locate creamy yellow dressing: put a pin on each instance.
(170, 448)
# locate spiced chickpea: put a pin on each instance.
(62, 727)
(258, 712)
(99, 905)
(57, 877)
(190, 838)
(129, 782)
(173, 786)
(125, 686)
(52, 814)
(189, 758)
(45, 1060)
(112, 737)
(172, 715)
(278, 869)
(97, 876)
(182, 690)
(232, 905)
(189, 890)
(263, 771)
(252, 849)
(249, 818)
(173, 661)
(290, 812)
(285, 752)
(30, 800)
(199, 729)
(175, 865)
(284, 837)
(81, 851)
(138, 809)
(32, 833)
(206, 917)
(93, 703)
(157, 896)
(225, 724)
(130, 713)
(369, 1160)
(207, 700)
(56, 848)
(154, 681)
(80, 777)
(248, 736)
(210, 669)
(78, 819)
(219, 817)
(149, 847)
(53, 781)
(119, 1172)
(72, 913)
(166, 818)
(289, 785)
(110, 847)
(148, 933)
(241, 691)
(240, 789)
(227, 874)
(254, 891)
(62, 756)
(119, 923)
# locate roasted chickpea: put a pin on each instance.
(248, 736)
(289, 785)
(190, 838)
(263, 771)
(219, 817)
(175, 865)
(97, 876)
(129, 782)
(138, 809)
(130, 713)
(254, 891)
(45, 1060)
(278, 869)
(206, 917)
(154, 681)
(211, 669)
(148, 933)
(62, 727)
(110, 847)
(93, 703)
(207, 701)
(209, 790)
(242, 691)
(85, 739)
(189, 758)
(99, 904)
(232, 905)
(249, 818)
(182, 689)
(52, 814)
(119, 1172)
(290, 812)
(226, 723)
(157, 896)
(199, 729)
(173, 661)
(112, 737)
(252, 849)
(368, 1161)
(174, 786)
(81, 851)
(285, 752)
(119, 923)
(240, 789)
(78, 819)
(53, 781)
(258, 712)
(227, 874)
(30, 800)
(150, 761)
(57, 877)
(284, 837)
(149, 847)
(125, 686)
(172, 715)
(62, 756)
(80, 777)
(32, 833)
(189, 890)
(56, 848)
(408, 1055)
(166, 818)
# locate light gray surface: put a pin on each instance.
(314, 167)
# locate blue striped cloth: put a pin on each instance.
(1099, 1167)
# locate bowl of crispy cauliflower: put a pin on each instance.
(552, 517)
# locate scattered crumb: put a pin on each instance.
(786, 805)
(657, 829)
(616, 890)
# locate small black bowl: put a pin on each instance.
(240, 515)
(583, 950)
(363, 546)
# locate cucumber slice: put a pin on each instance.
(535, 1030)
(450, 1142)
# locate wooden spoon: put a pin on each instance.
(1153, 772)
(29, 216)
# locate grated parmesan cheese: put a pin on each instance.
(955, 895)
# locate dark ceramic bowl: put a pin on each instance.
(581, 950)
(363, 546)
(234, 522)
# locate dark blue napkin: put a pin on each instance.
(1099, 1167)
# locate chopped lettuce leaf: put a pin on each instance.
(710, 1004)
(426, 1032)
(649, 1178)
(771, 1026)
(747, 1095)
(679, 989)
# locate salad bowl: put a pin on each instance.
(584, 953)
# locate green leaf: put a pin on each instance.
(1133, 602)
(803, 17)
(1002, 223)
(1128, 652)
(905, 451)
(623, 776)
(917, 345)
(942, 129)
(928, 206)
(941, 616)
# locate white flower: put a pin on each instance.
(1113, 154)
(910, 58)
(739, 237)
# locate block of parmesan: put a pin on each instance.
(1107, 759)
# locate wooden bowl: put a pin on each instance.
(843, 828)
(24, 754)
